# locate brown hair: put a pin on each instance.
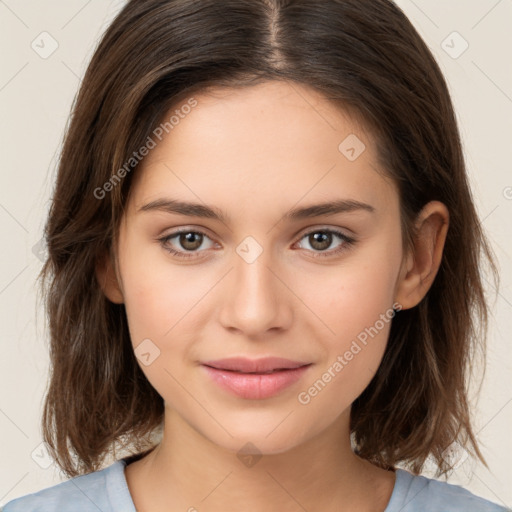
(364, 55)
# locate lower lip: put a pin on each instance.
(255, 386)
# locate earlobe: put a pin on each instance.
(108, 280)
(422, 263)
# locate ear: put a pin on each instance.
(421, 263)
(108, 279)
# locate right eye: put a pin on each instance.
(189, 240)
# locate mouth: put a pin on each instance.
(255, 379)
(252, 373)
(259, 366)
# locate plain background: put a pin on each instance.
(36, 92)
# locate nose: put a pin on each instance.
(256, 297)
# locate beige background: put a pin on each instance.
(35, 98)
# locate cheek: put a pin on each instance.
(161, 301)
(354, 305)
(351, 296)
(158, 294)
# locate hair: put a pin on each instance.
(364, 56)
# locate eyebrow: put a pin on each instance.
(210, 212)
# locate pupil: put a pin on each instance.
(187, 240)
(317, 240)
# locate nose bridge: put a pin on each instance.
(254, 302)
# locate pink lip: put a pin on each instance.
(247, 378)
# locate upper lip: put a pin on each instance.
(246, 365)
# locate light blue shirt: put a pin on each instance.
(107, 491)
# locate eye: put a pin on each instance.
(191, 241)
(188, 239)
(321, 239)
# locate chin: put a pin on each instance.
(256, 437)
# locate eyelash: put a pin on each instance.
(347, 243)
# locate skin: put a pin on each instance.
(256, 153)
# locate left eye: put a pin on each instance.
(322, 239)
(319, 239)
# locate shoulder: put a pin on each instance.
(422, 494)
(88, 493)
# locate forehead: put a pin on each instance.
(266, 144)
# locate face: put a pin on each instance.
(260, 279)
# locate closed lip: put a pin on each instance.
(247, 365)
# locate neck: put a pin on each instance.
(186, 471)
